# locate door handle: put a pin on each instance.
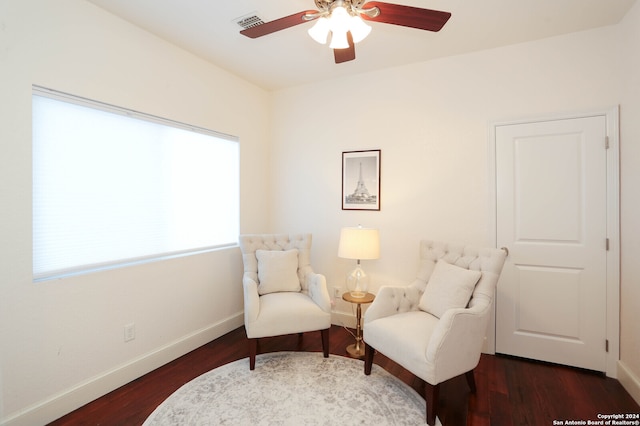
(505, 249)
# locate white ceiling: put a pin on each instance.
(290, 57)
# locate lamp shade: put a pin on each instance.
(339, 40)
(320, 30)
(340, 20)
(359, 243)
(359, 30)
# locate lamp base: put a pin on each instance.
(358, 282)
(355, 352)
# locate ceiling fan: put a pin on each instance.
(343, 19)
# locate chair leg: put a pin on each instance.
(325, 342)
(369, 352)
(431, 393)
(471, 381)
(299, 347)
(253, 350)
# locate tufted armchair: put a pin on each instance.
(282, 294)
(436, 326)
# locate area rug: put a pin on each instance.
(292, 388)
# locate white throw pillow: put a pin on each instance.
(449, 287)
(277, 271)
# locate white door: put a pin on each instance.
(551, 193)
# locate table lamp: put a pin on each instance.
(361, 244)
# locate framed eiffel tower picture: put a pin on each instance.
(361, 180)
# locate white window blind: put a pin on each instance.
(113, 186)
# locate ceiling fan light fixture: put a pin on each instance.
(359, 29)
(339, 23)
(320, 30)
(339, 40)
(340, 20)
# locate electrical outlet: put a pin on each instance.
(337, 292)
(129, 332)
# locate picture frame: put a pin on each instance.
(361, 180)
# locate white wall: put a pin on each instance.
(62, 341)
(431, 122)
(629, 368)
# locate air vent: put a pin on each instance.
(249, 21)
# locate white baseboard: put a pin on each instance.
(85, 392)
(344, 319)
(629, 381)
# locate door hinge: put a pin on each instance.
(607, 244)
(606, 345)
(606, 142)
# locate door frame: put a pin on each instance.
(611, 115)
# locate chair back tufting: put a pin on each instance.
(249, 243)
(487, 260)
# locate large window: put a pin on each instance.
(113, 186)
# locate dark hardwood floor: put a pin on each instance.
(510, 391)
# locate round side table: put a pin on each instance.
(356, 350)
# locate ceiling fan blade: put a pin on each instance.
(278, 24)
(345, 55)
(407, 16)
